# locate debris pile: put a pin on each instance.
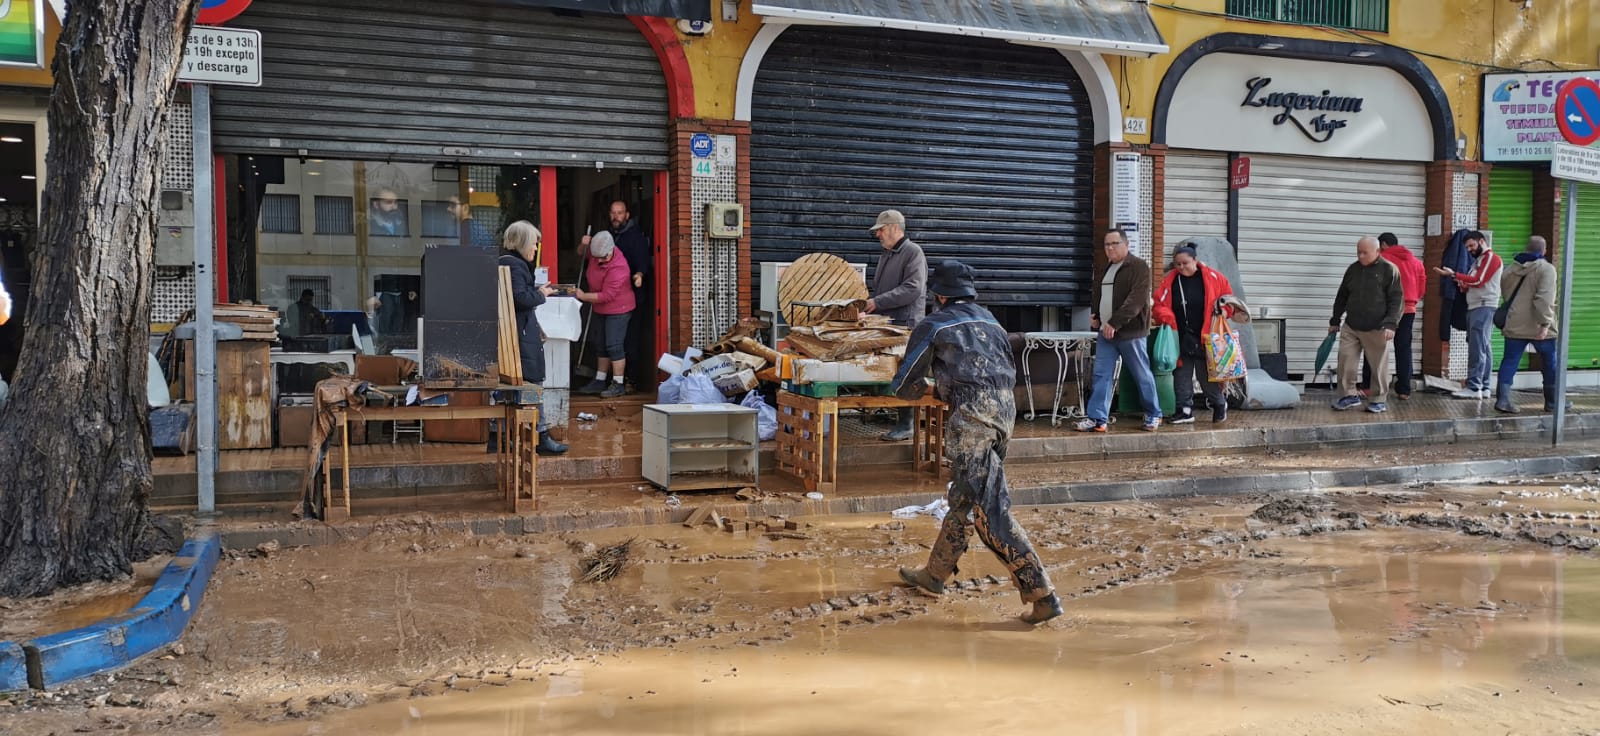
(606, 563)
(257, 321)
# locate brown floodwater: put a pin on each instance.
(1391, 631)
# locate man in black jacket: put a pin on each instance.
(1366, 312)
(969, 356)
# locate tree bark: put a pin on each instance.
(75, 438)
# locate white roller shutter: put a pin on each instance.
(1299, 221)
(1196, 198)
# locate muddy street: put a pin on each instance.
(1418, 610)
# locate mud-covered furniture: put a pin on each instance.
(694, 447)
(808, 434)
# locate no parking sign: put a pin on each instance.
(1577, 110)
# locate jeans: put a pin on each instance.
(1191, 371)
(1136, 359)
(1480, 327)
(1513, 356)
(1402, 357)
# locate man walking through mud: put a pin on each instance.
(967, 352)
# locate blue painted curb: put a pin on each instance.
(13, 667)
(159, 619)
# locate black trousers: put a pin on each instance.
(1402, 362)
(641, 339)
(975, 443)
(1189, 372)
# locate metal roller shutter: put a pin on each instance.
(986, 147)
(424, 81)
(1583, 344)
(1299, 221)
(1510, 220)
(1197, 198)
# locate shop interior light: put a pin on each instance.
(1269, 46)
(10, 139)
(1362, 54)
(313, 173)
(29, 177)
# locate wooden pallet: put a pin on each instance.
(510, 346)
(829, 390)
(808, 434)
(519, 460)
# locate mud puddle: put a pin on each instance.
(79, 606)
(1392, 631)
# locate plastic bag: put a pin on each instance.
(698, 389)
(669, 391)
(1164, 354)
(1224, 359)
(766, 415)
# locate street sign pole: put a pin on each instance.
(205, 338)
(1568, 255)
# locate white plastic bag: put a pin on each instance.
(669, 390)
(698, 389)
(766, 415)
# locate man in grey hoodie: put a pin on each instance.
(899, 288)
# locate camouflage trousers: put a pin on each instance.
(979, 498)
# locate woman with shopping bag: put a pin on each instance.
(1188, 298)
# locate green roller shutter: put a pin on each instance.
(1584, 338)
(1510, 219)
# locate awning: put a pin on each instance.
(1112, 26)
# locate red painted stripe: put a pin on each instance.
(663, 39)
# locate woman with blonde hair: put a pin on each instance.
(520, 248)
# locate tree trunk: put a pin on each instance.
(74, 439)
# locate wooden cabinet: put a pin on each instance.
(244, 393)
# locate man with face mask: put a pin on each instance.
(1366, 311)
(969, 356)
(1482, 288)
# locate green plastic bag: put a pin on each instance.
(1164, 354)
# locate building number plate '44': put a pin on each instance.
(705, 168)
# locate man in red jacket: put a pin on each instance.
(1414, 281)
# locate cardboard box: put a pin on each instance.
(383, 370)
(861, 369)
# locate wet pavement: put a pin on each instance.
(1418, 610)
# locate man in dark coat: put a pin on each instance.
(969, 355)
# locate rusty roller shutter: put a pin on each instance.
(404, 79)
(986, 147)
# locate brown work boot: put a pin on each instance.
(919, 577)
(1044, 609)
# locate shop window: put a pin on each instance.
(320, 287)
(280, 213)
(437, 220)
(335, 215)
(1362, 15)
(388, 216)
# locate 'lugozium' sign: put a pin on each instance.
(1249, 103)
(1319, 128)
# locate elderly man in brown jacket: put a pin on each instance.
(1530, 288)
(1120, 312)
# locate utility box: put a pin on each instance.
(690, 447)
(724, 220)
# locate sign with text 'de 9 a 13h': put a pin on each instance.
(1575, 163)
(222, 56)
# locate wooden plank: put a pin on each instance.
(510, 349)
(244, 395)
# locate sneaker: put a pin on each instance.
(1470, 393)
(593, 388)
(613, 391)
(1347, 402)
(1089, 425)
(1377, 407)
(1506, 407)
(1151, 425)
(1219, 414)
(898, 434)
(1186, 416)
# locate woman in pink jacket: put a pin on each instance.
(608, 274)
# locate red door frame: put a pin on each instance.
(663, 285)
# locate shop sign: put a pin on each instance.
(22, 33)
(1125, 198)
(1239, 173)
(1247, 103)
(1298, 109)
(1519, 114)
(228, 56)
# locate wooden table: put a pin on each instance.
(517, 456)
(808, 435)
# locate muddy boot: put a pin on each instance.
(548, 446)
(919, 577)
(1044, 609)
(1550, 400)
(902, 428)
(1502, 400)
